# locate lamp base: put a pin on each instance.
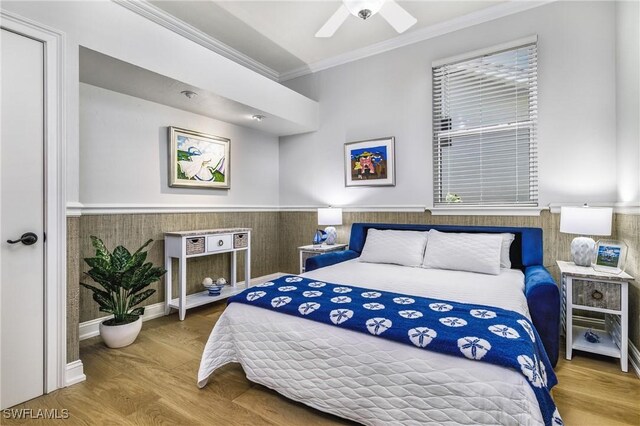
(332, 235)
(582, 251)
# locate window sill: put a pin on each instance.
(485, 211)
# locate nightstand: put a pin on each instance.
(314, 250)
(589, 290)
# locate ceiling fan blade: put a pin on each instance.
(332, 25)
(395, 15)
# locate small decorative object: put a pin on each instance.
(370, 163)
(319, 237)
(330, 216)
(198, 160)
(453, 198)
(591, 337)
(610, 256)
(585, 221)
(221, 281)
(214, 290)
(123, 277)
(207, 282)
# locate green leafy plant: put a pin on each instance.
(123, 277)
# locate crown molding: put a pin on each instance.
(170, 22)
(465, 21)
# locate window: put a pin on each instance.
(484, 128)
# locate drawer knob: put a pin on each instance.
(596, 295)
(220, 243)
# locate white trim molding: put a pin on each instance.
(634, 358)
(627, 208)
(74, 373)
(556, 207)
(170, 22)
(55, 297)
(484, 15)
(485, 211)
(356, 209)
(91, 328)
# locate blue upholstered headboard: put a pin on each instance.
(526, 249)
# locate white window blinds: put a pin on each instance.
(484, 129)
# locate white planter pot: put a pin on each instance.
(119, 336)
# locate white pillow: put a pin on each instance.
(464, 252)
(391, 246)
(507, 239)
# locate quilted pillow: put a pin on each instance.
(507, 239)
(464, 252)
(390, 246)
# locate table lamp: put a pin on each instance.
(585, 221)
(330, 216)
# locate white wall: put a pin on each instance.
(628, 100)
(390, 95)
(109, 28)
(124, 155)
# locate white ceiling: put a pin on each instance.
(280, 34)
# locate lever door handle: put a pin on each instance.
(28, 238)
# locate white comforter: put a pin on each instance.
(372, 380)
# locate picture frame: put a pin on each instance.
(610, 256)
(198, 160)
(370, 162)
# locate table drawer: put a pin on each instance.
(219, 242)
(194, 246)
(596, 294)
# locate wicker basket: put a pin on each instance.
(240, 240)
(195, 245)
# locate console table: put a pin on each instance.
(184, 245)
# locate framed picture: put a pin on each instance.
(610, 256)
(370, 163)
(198, 160)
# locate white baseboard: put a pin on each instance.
(634, 358)
(91, 328)
(74, 373)
(634, 353)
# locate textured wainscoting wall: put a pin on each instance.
(298, 229)
(628, 230)
(73, 288)
(131, 230)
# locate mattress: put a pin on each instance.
(377, 381)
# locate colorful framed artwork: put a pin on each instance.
(198, 160)
(610, 256)
(370, 162)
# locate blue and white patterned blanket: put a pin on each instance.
(481, 333)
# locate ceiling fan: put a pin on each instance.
(391, 11)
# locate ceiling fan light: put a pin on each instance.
(363, 8)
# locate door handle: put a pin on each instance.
(28, 238)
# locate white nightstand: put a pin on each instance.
(589, 290)
(313, 250)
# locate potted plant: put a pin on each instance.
(123, 277)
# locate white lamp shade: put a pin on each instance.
(586, 220)
(329, 216)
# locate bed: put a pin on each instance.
(375, 381)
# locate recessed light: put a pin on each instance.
(257, 117)
(189, 94)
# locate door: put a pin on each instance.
(21, 212)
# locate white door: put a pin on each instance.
(21, 212)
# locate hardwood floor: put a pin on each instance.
(153, 382)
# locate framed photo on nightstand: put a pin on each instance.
(610, 256)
